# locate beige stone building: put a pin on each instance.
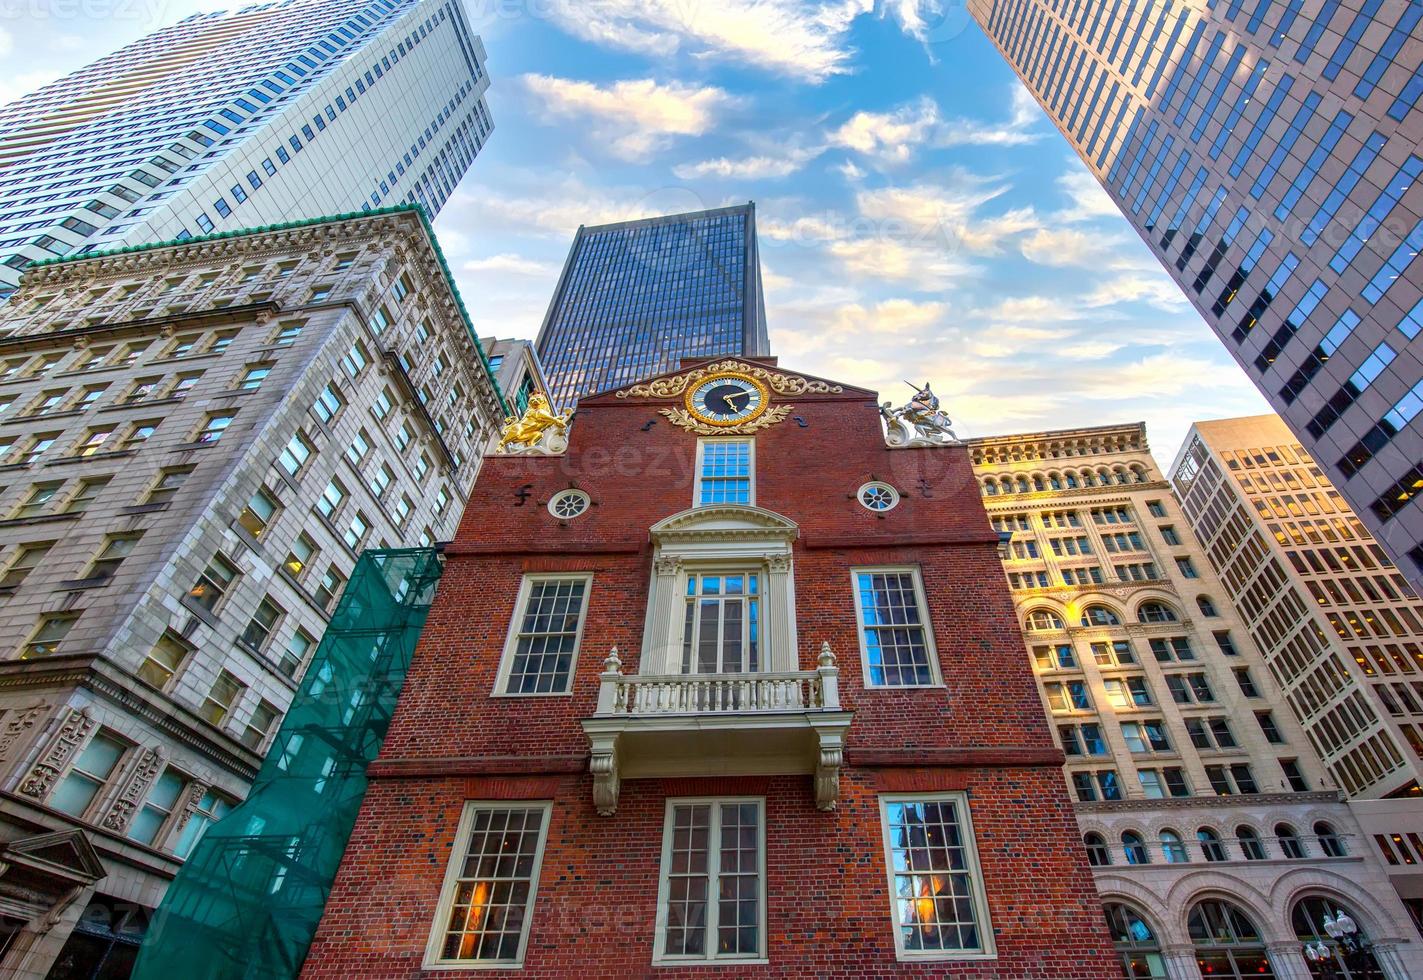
(1198, 793)
(1340, 629)
(197, 439)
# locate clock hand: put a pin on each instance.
(739, 394)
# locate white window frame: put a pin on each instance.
(749, 568)
(659, 954)
(433, 960)
(511, 638)
(975, 872)
(751, 463)
(921, 599)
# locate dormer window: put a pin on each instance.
(725, 472)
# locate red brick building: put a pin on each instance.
(817, 750)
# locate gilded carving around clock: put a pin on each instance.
(727, 399)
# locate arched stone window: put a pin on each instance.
(1135, 848)
(1250, 844)
(1023, 486)
(1044, 619)
(1211, 847)
(1155, 612)
(1055, 480)
(1228, 945)
(1069, 480)
(1100, 616)
(1204, 604)
(1173, 848)
(1136, 942)
(1098, 854)
(1346, 957)
(1290, 843)
(1038, 484)
(1089, 479)
(1329, 840)
(990, 488)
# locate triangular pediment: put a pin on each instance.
(725, 521)
(673, 384)
(66, 852)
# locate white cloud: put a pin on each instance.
(885, 259)
(509, 264)
(748, 168)
(1158, 291)
(946, 214)
(637, 117)
(890, 136)
(894, 137)
(1062, 247)
(7, 41)
(806, 40)
(1087, 198)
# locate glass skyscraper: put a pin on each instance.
(279, 111)
(636, 297)
(1268, 152)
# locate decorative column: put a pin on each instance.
(779, 643)
(73, 732)
(1390, 961)
(663, 655)
(1287, 960)
(145, 770)
(1181, 963)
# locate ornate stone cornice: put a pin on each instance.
(97, 674)
(1187, 802)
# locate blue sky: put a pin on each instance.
(920, 218)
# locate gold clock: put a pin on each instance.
(727, 399)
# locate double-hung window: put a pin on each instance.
(935, 887)
(725, 472)
(711, 897)
(721, 625)
(542, 647)
(487, 900)
(896, 645)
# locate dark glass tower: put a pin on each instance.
(636, 297)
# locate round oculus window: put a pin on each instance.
(878, 497)
(568, 504)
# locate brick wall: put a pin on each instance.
(828, 903)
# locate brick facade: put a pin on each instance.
(828, 907)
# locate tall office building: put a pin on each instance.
(638, 296)
(1198, 794)
(1339, 628)
(1267, 152)
(197, 441)
(278, 112)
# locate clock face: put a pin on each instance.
(727, 399)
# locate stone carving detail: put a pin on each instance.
(684, 419)
(73, 732)
(150, 764)
(827, 774)
(668, 566)
(17, 725)
(779, 563)
(784, 384)
(604, 767)
(919, 423)
(189, 806)
(539, 433)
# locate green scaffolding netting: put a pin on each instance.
(247, 901)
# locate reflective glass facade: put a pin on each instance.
(1267, 151)
(238, 119)
(638, 296)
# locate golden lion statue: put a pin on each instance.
(528, 432)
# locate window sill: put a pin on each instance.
(44, 417)
(38, 519)
(672, 964)
(143, 509)
(70, 460)
(76, 584)
(203, 613)
(142, 403)
(184, 447)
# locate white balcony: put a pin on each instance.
(660, 725)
